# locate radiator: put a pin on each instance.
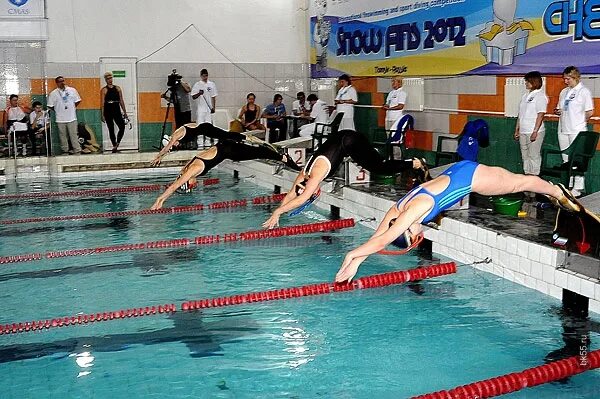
(415, 93)
(514, 89)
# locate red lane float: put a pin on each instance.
(269, 199)
(516, 381)
(96, 191)
(374, 281)
(179, 242)
(173, 209)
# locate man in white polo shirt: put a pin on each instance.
(205, 94)
(64, 101)
(319, 114)
(394, 104)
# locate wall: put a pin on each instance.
(244, 30)
(271, 42)
(475, 93)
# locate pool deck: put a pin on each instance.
(519, 249)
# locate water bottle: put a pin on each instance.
(543, 205)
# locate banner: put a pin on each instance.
(452, 37)
(21, 8)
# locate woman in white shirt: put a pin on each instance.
(575, 107)
(530, 123)
(345, 100)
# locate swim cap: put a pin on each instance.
(165, 140)
(306, 204)
(186, 187)
(404, 241)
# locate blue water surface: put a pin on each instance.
(392, 342)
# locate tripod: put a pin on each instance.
(171, 99)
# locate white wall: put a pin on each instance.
(244, 30)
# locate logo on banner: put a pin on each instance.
(583, 15)
(18, 3)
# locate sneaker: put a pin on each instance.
(576, 193)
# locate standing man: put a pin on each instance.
(64, 101)
(345, 100)
(180, 98)
(394, 104)
(205, 93)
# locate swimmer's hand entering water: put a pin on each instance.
(273, 221)
(349, 267)
(158, 203)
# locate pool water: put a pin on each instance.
(392, 342)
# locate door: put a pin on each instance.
(124, 76)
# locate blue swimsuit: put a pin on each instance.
(461, 177)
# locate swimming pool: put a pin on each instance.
(392, 342)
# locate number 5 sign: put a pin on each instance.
(356, 174)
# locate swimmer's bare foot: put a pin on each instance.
(289, 162)
(423, 174)
(565, 200)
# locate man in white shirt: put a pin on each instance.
(301, 109)
(319, 114)
(345, 100)
(38, 122)
(205, 93)
(394, 104)
(64, 101)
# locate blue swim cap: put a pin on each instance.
(306, 204)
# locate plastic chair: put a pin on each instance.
(386, 142)
(581, 150)
(451, 156)
(477, 133)
(333, 126)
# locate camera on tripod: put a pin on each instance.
(174, 79)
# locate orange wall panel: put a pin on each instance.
(457, 122)
(481, 102)
(150, 110)
(368, 85)
(422, 139)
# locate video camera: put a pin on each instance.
(174, 79)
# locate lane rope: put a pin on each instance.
(183, 242)
(175, 209)
(367, 282)
(96, 191)
(512, 382)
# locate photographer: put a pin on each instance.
(179, 96)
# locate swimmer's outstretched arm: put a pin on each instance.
(293, 201)
(383, 236)
(192, 170)
(175, 137)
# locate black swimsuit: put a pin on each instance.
(209, 130)
(346, 143)
(227, 149)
